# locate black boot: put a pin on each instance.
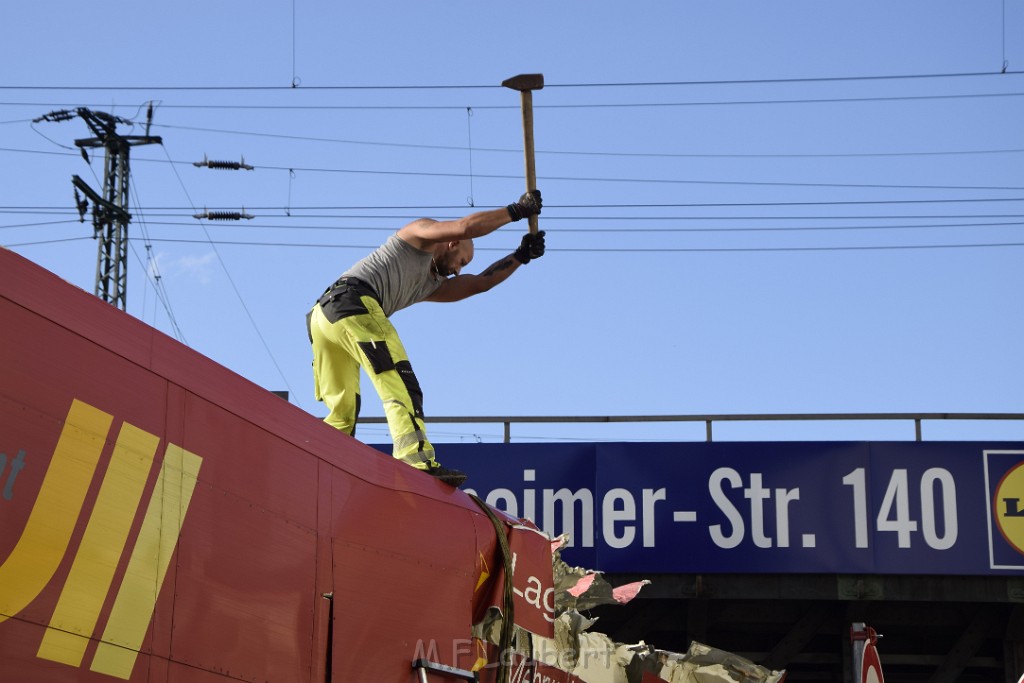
(451, 477)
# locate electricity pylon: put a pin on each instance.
(110, 217)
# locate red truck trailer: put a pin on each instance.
(164, 520)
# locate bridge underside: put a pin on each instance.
(933, 628)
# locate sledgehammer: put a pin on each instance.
(526, 84)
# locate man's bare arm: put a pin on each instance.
(464, 286)
(426, 232)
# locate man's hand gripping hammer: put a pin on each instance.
(526, 84)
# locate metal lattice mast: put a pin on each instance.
(110, 211)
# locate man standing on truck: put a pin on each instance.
(349, 327)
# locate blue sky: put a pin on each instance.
(751, 207)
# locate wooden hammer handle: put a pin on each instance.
(531, 167)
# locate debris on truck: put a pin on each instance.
(593, 657)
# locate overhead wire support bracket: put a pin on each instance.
(225, 165)
(82, 205)
(223, 215)
(56, 116)
(103, 210)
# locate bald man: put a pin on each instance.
(349, 326)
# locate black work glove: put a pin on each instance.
(531, 247)
(528, 205)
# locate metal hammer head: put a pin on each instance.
(524, 82)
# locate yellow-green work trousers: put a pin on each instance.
(364, 337)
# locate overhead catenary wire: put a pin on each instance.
(837, 155)
(234, 287)
(598, 207)
(679, 181)
(633, 230)
(618, 219)
(618, 230)
(667, 155)
(151, 269)
(593, 105)
(491, 86)
(610, 250)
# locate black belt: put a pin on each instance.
(344, 298)
(343, 285)
(342, 281)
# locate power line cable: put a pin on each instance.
(652, 155)
(36, 243)
(231, 281)
(1003, 36)
(296, 81)
(653, 181)
(37, 225)
(750, 224)
(620, 219)
(154, 277)
(546, 152)
(551, 86)
(633, 230)
(32, 210)
(683, 205)
(815, 100)
(592, 105)
(610, 250)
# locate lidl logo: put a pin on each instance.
(1004, 478)
(1008, 513)
(54, 516)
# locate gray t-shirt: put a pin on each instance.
(399, 273)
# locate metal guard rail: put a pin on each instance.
(708, 420)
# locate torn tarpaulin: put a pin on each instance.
(533, 587)
(710, 665)
(593, 590)
(596, 658)
(582, 589)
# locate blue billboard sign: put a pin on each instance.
(778, 507)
